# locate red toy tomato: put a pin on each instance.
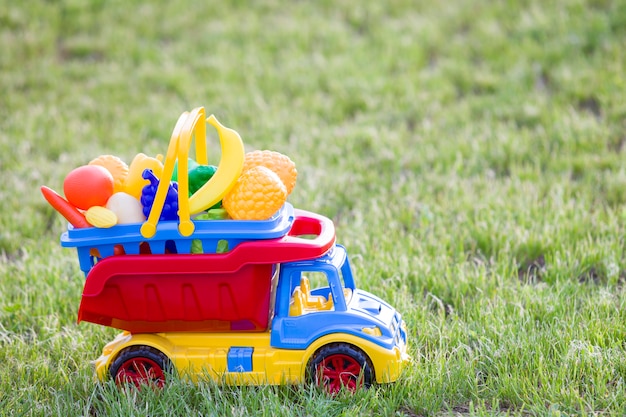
(88, 186)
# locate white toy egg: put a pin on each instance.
(127, 208)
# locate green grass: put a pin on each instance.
(470, 153)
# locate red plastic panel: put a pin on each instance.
(153, 293)
(198, 292)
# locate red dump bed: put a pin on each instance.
(199, 292)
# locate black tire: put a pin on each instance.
(340, 365)
(141, 365)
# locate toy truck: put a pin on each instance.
(246, 301)
(247, 315)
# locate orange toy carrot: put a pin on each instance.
(71, 213)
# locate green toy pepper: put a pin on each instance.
(191, 164)
(200, 175)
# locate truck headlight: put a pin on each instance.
(372, 331)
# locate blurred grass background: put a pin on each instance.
(469, 152)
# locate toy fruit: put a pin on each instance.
(71, 214)
(127, 208)
(117, 168)
(188, 126)
(134, 181)
(170, 206)
(101, 217)
(257, 195)
(277, 162)
(228, 169)
(88, 186)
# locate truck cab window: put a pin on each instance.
(313, 294)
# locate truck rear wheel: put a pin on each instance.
(340, 365)
(140, 365)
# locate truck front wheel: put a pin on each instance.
(140, 365)
(340, 365)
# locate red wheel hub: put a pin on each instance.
(338, 371)
(139, 371)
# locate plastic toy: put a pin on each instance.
(191, 164)
(227, 172)
(225, 176)
(135, 181)
(170, 204)
(99, 216)
(200, 175)
(88, 186)
(270, 301)
(257, 194)
(126, 207)
(117, 168)
(71, 214)
(277, 162)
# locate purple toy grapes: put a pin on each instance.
(170, 206)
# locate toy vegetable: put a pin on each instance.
(71, 213)
(88, 186)
(134, 181)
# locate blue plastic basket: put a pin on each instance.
(97, 243)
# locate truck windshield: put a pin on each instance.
(324, 285)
